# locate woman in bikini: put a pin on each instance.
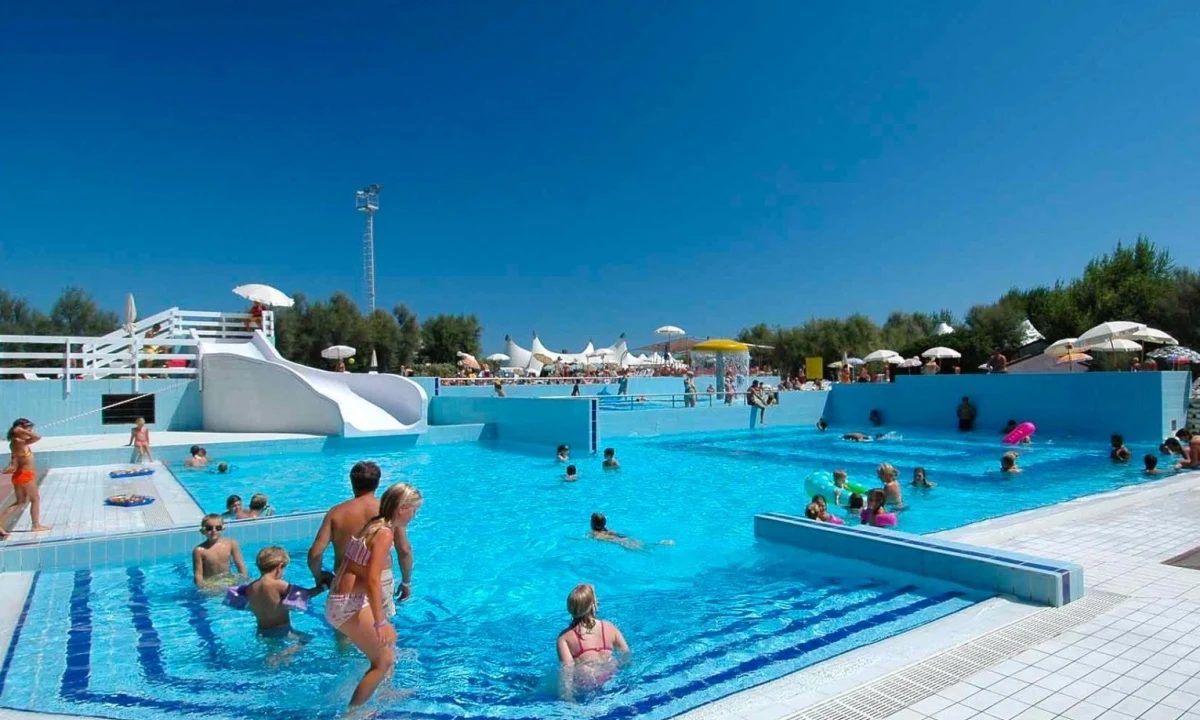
(585, 649)
(25, 490)
(355, 603)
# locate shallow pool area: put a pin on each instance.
(140, 642)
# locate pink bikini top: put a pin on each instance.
(604, 646)
(358, 552)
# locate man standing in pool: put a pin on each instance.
(347, 518)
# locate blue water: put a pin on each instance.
(141, 643)
(499, 543)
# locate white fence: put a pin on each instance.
(165, 345)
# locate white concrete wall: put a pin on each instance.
(243, 394)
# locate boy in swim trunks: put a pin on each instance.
(211, 558)
(271, 599)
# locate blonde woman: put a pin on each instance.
(588, 644)
(889, 475)
(356, 603)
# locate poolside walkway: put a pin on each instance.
(1140, 659)
(73, 504)
(108, 441)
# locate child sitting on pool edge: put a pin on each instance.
(271, 599)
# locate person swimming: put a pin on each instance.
(564, 453)
(601, 532)
(1008, 463)
(920, 481)
(572, 474)
(610, 459)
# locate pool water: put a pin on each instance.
(141, 643)
(500, 541)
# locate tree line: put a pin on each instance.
(301, 332)
(1138, 282)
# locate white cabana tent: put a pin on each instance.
(519, 357)
(1028, 333)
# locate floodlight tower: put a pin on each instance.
(367, 201)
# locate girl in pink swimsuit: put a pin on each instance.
(587, 646)
(355, 603)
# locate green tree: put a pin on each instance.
(76, 313)
(443, 336)
(409, 342)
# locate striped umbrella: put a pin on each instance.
(1176, 355)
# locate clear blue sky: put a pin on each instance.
(584, 169)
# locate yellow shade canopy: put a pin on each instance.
(721, 346)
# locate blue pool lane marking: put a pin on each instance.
(76, 679)
(16, 635)
(198, 619)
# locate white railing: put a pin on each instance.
(165, 345)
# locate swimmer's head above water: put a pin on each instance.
(599, 522)
(364, 478)
(222, 468)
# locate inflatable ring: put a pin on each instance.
(131, 472)
(821, 483)
(1019, 433)
(128, 500)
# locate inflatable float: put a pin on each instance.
(128, 500)
(821, 483)
(131, 472)
(1019, 433)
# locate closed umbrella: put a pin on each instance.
(338, 352)
(265, 294)
(130, 313)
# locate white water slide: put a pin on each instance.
(249, 387)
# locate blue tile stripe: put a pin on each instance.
(75, 682)
(16, 634)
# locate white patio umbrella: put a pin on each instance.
(669, 331)
(1118, 345)
(1153, 336)
(912, 362)
(467, 360)
(1062, 347)
(835, 364)
(264, 294)
(943, 329)
(498, 357)
(1106, 332)
(942, 353)
(338, 352)
(897, 360)
(882, 356)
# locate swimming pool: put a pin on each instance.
(477, 640)
(702, 488)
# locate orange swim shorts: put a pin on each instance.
(22, 476)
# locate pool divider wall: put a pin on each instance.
(547, 422)
(172, 544)
(233, 450)
(794, 409)
(1025, 577)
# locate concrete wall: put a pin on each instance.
(177, 404)
(637, 386)
(247, 395)
(1141, 406)
(546, 422)
(794, 408)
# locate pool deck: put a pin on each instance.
(165, 438)
(73, 504)
(1138, 658)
